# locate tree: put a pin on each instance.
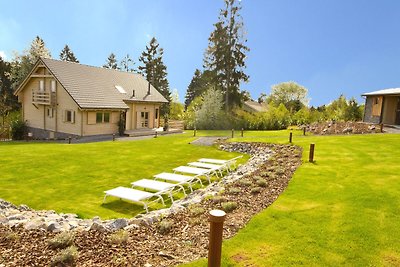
(262, 98)
(176, 108)
(291, 94)
(226, 53)
(111, 62)
(353, 112)
(67, 55)
(155, 71)
(200, 82)
(22, 64)
(7, 99)
(127, 64)
(210, 115)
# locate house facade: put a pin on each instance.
(383, 106)
(61, 99)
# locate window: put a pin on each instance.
(53, 86)
(69, 116)
(102, 117)
(50, 112)
(106, 117)
(41, 85)
(99, 117)
(156, 113)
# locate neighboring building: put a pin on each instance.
(253, 106)
(61, 99)
(383, 106)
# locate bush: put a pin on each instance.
(229, 206)
(165, 226)
(62, 240)
(119, 237)
(18, 130)
(66, 257)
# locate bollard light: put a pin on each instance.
(216, 218)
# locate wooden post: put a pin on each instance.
(242, 132)
(113, 137)
(233, 132)
(381, 125)
(290, 137)
(216, 218)
(304, 130)
(311, 156)
(69, 139)
(155, 135)
(194, 131)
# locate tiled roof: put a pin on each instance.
(94, 87)
(391, 91)
(255, 106)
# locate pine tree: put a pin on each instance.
(226, 52)
(111, 62)
(127, 64)
(201, 81)
(67, 55)
(155, 71)
(22, 64)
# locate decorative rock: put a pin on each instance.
(347, 130)
(98, 227)
(117, 224)
(53, 227)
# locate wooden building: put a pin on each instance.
(383, 106)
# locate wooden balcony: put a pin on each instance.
(44, 98)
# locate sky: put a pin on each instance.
(331, 47)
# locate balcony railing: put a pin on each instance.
(43, 98)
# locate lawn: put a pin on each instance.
(71, 178)
(344, 209)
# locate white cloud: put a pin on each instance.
(3, 55)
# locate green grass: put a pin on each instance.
(344, 209)
(72, 178)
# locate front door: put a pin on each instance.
(398, 111)
(144, 119)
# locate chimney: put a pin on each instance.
(148, 89)
(133, 93)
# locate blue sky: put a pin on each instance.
(331, 47)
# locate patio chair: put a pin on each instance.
(228, 163)
(194, 170)
(160, 187)
(133, 195)
(179, 179)
(216, 169)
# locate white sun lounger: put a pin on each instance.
(133, 195)
(178, 178)
(158, 186)
(217, 169)
(193, 170)
(228, 163)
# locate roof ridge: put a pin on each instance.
(86, 65)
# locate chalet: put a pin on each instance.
(61, 99)
(383, 106)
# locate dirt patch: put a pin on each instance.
(186, 238)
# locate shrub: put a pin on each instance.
(245, 182)
(255, 190)
(234, 191)
(196, 210)
(261, 182)
(18, 130)
(62, 240)
(229, 206)
(65, 257)
(119, 237)
(218, 199)
(11, 236)
(165, 226)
